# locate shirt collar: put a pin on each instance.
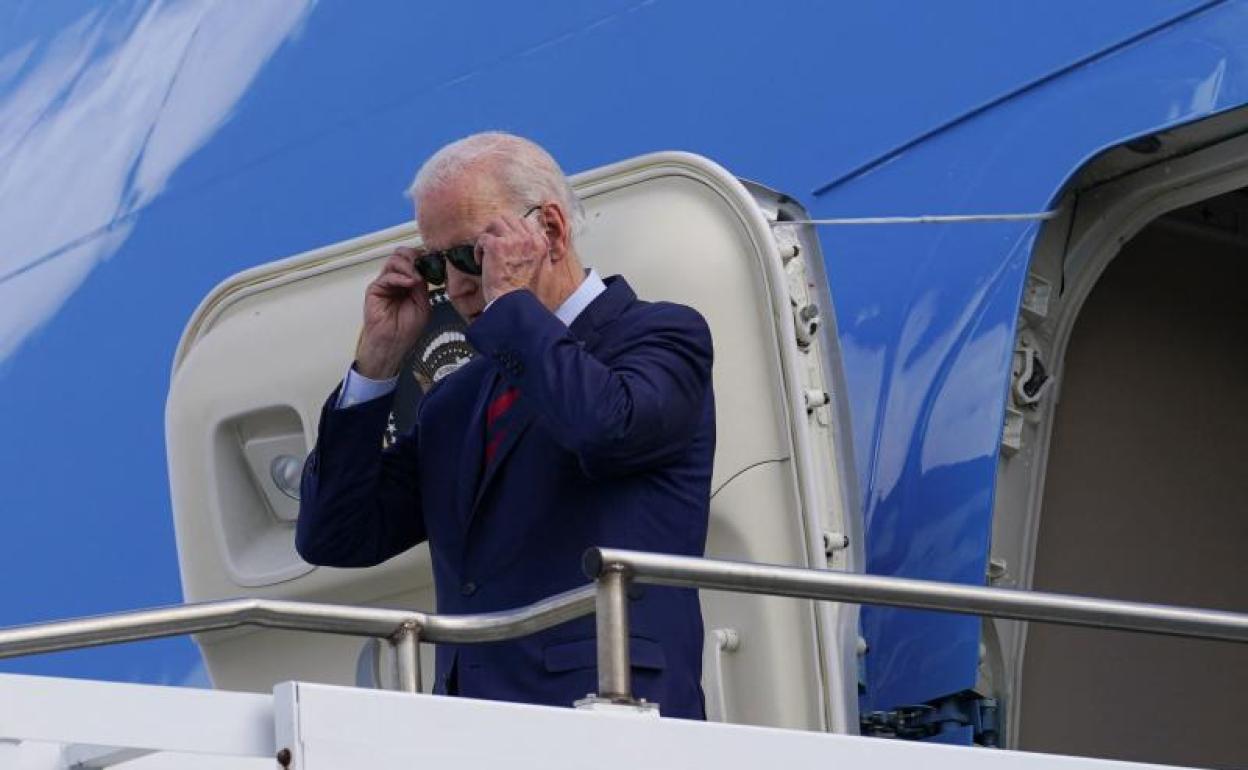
(586, 293)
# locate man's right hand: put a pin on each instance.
(396, 309)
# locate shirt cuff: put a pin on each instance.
(356, 388)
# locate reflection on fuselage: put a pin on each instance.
(96, 121)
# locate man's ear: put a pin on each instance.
(558, 230)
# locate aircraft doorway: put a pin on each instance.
(1146, 498)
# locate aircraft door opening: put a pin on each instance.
(1124, 476)
(1144, 500)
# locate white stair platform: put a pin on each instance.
(56, 724)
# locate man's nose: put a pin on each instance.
(460, 284)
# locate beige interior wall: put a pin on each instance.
(1146, 498)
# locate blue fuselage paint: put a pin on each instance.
(148, 150)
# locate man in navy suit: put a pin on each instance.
(587, 419)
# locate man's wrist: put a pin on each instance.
(376, 366)
(494, 295)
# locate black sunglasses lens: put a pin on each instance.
(464, 258)
(432, 267)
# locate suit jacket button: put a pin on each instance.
(468, 589)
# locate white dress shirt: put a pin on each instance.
(356, 388)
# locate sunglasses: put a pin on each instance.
(432, 264)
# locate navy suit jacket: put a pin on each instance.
(610, 443)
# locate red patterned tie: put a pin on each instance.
(495, 424)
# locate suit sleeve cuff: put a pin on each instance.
(515, 320)
(356, 388)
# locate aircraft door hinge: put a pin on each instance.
(1031, 378)
(1030, 382)
(815, 398)
(833, 542)
(805, 311)
(805, 324)
(925, 720)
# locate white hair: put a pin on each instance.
(527, 172)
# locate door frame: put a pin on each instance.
(1098, 216)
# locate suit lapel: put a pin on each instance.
(473, 449)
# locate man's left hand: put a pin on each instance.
(513, 252)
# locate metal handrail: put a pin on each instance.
(206, 616)
(402, 629)
(509, 624)
(616, 569)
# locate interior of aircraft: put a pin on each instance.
(1144, 498)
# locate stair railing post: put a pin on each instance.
(406, 644)
(614, 667)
